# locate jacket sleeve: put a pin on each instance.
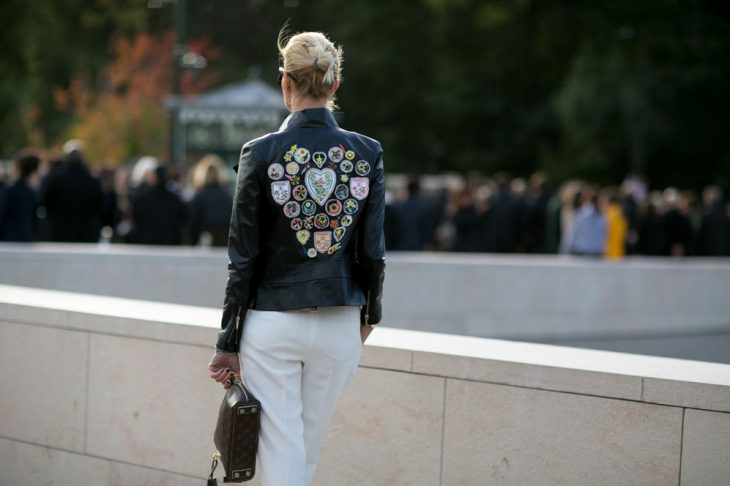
(243, 249)
(371, 251)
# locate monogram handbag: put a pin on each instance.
(237, 434)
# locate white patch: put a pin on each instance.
(319, 158)
(276, 171)
(292, 168)
(291, 209)
(280, 191)
(301, 155)
(336, 154)
(359, 187)
(321, 183)
(311, 253)
(322, 240)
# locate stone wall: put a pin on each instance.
(111, 391)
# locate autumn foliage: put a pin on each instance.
(122, 115)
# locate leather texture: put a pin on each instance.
(307, 223)
(237, 433)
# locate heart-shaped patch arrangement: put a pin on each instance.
(303, 185)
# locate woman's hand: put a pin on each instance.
(222, 366)
(365, 330)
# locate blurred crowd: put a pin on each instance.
(62, 199)
(514, 215)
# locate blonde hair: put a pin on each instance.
(313, 62)
(209, 170)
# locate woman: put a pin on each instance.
(307, 259)
(210, 208)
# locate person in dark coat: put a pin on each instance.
(19, 202)
(210, 209)
(412, 226)
(158, 214)
(677, 227)
(73, 200)
(714, 234)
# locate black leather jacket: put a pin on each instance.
(307, 223)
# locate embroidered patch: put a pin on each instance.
(299, 192)
(333, 248)
(335, 154)
(359, 187)
(290, 153)
(291, 209)
(280, 191)
(346, 220)
(362, 167)
(344, 178)
(308, 222)
(292, 168)
(341, 191)
(334, 207)
(311, 253)
(276, 171)
(339, 233)
(346, 166)
(303, 236)
(334, 223)
(296, 224)
(322, 240)
(319, 158)
(321, 221)
(350, 206)
(308, 207)
(321, 183)
(349, 155)
(301, 155)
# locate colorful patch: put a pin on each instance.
(292, 168)
(349, 155)
(333, 248)
(344, 178)
(334, 223)
(350, 206)
(308, 224)
(290, 153)
(341, 191)
(303, 236)
(346, 220)
(308, 207)
(291, 209)
(321, 221)
(336, 154)
(362, 167)
(339, 233)
(319, 158)
(311, 253)
(321, 183)
(334, 207)
(296, 224)
(301, 155)
(359, 187)
(322, 240)
(280, 191)
(276, 171)
(299, 192)
(346, 166)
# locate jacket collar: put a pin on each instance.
(311, 117)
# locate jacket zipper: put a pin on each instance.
(367, 309)
(235, 331)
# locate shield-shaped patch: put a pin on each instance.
(280, 191)
(359, 187)
(322, 240)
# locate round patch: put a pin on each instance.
(346, 166)
(341, 192)
(299, 192)
(319, 158)
(311, 253)
(308, 207)
(296, 224)
(349, 155)
(292, 168)
(301, 155)
(321, 221)
(334, 207)
(336, 154)
(276, 171)
(350, 206)
(362, 167)
(346, 220)
(291, 209)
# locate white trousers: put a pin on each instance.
(297, 363)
